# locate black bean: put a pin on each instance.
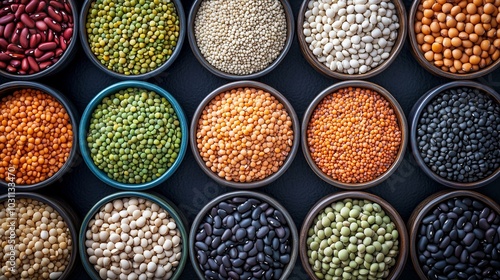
(217, 222)
(469, 238)
(243, 208)
(262, 231)
(207, 228)
(256, 213)
(429, 219)
(448, 252)
(202, 257)
(230, 221)
(201, 235)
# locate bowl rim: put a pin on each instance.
(320, 67)
(72, 112)
(68, 215)
(398, 111)
(242, 84)
(294, 236)
(324, 202)
(164, 203)
(430, 203)
(290, 23)
(415, 114)
(429, 66)
(87, 115)
(82, 31)
(63, 60)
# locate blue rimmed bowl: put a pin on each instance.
(85, 122)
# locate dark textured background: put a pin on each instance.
(299, 188)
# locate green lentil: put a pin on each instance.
(134, 152)
(132, 37)
(352, 239)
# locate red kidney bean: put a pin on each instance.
(40, 25)
(52, 24)
(38, 53)
(15, 37)
(55, 15)
(48, 46)
(33, 64)
(6, 19)
(42, 6)
(16, 55)
(25, 1)
(20, 11)
(25, 43)
(50, 36)
(25, 65)
(57, 4)
(27, 21)
(4, 11)
(65, 16)
(39, 16)
(4, 57)
(29, 52)
(15, 48)
(34, 41)
(13, 7)
(11, 69)
(68, 33)
(59, 52)
(45, 57)
(45, 64)
(3, 44)
(68, 9)
(31, 6)
(19, 26)
(63, 43)
(15, 63)
(9, 29)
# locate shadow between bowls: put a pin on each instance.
(428, 205)
(63, 61)
(65, 211)
(326, 201)
(290, 29)
(419, 56)
(401, 121)
(163, 202)
(248, 194)
(415, 113)
(242, 84)
(86, 48)
(74, 156)
(87, 116)
(320, 67)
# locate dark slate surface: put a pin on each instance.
(299, 188)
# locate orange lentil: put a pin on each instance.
(244, 135)
(353, 135)
(26, 119)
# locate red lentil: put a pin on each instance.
(36, 136)
(353, 135)
(244, 135)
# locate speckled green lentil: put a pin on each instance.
(352, 239)
(134, 136)
(132, 37)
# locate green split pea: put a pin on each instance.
(134, 136)
(352, 239)
(132, 37)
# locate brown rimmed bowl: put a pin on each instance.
(242, 84)
(320, 67)
(290, 29)
(326, 201)
(419, 55)
(415, 115)
(402, 126)
(74, 156)
(294, 237)
(427, 206)
(62, 208)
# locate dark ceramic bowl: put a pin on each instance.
(415, 114)
(427, 206)
(289, 158)
(65, 211)
(164, 203)
(401, 121)
(419, 55)
(326, 201)
(73, 159)
(294, 237)
(85, 122)
(63, 61)
(86, 47)
(320, 67)
(199, 56)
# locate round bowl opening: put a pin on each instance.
(441, 46)
(84, 133)
(157, 67)
(33, 53)
(421, 108)
(395, 218)
(290, 29)
(270, 177)
(61, 209)
(367, 73)
(400, 122)
(163, 205)
(13, 169)
(437, 205)
(251, 200)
